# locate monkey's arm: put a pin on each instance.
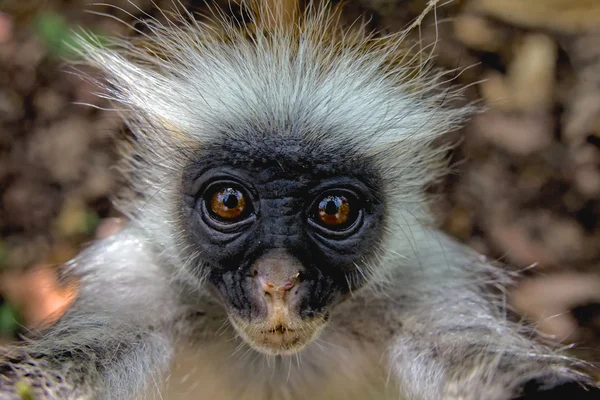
(114, 338)
(456, 342)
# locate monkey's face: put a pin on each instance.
(284, 231)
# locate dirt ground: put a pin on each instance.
(525, 185)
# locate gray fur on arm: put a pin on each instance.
(114, 339)
(457, 340)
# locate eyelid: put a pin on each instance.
(201, 181)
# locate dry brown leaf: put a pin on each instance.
(567, 16)
(477, 33)
(37, 294)
(496, 92)
(582, 117)
(531, 74)
(548, 301)
(6, 28)
(520, 134)
(537, 237)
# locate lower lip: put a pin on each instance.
(278, 331)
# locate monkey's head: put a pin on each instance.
(286, 227)
(280, 162)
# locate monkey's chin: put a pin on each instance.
(277, 340)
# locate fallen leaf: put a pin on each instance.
(566, 16)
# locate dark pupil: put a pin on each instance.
(331, 207)
(230, 200)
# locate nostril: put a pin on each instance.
(283, 285)
(290, 283)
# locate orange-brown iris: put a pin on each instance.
(334, 210)
(228, 203)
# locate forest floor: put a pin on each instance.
(525, 185)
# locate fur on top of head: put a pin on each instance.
(187, 82)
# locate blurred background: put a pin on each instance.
(525, 184)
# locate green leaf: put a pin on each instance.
(9, 319)
(3, 255)
(54, 31)
(91, 222)
(58, 35)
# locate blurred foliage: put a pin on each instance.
(76, 219)
(10, 320)
(90, 222)
(56, 33)
(60, 37)
(3, 254)
(39, 36)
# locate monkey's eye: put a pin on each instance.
(227, 202)
(336, 211)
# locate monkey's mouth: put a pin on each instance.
(277, 329)
(277, 339)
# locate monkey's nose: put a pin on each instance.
(277, 287)
(276, 273)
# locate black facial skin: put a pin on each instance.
(283, 180)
